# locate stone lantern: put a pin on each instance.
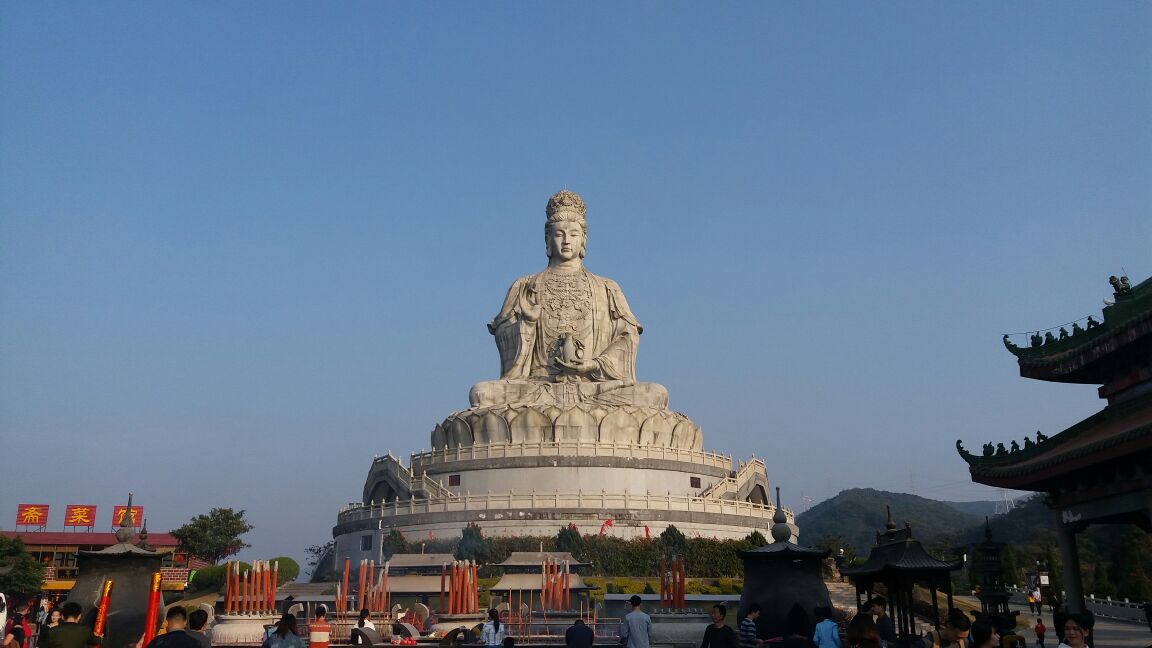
(988, 569)
(780, 575)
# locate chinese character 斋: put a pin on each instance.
(32, 515)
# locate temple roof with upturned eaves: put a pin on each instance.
(83, 538)
(906, 556)
(1085, 353)
(530, 582)
(1120, 430)
(411, 560)
(537, 558)
(897, 550)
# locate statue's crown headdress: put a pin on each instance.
(566, 206)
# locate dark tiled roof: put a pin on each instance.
(1126, 320)
(529, 582)
(534, 558)
(784, 551)
(420, 560)
(1123, 428)
(84, 538)
(907, 555)
(121, 549)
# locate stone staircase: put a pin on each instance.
(843, 597)
(404, 482)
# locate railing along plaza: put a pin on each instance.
(557, 499)
(424, 459)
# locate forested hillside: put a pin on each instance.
(856, 515)
(1116, 560)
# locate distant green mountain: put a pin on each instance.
(980, 508)
(856, 515)
(1021, 525)
(1115, 559)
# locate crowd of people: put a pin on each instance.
(61, 627)
(871, 627)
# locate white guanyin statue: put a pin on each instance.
(567, 343)
(566, 335)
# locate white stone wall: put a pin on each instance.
(348, 545)
(592, 479)
(549, 528)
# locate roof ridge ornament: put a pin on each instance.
(1120, 285)
(142, 539)
(125, 532)
(780, 530)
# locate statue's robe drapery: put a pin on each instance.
(527, 339)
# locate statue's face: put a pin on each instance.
(565, 241)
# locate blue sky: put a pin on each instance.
(247, 246)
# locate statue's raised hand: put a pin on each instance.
(529, 304)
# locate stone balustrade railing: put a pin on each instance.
(558, 500)
(731, 485)
(1103, 607)
(432, 487)
(424, 460)
(721, 488)
(752, 465)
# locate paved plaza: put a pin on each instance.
(1109, 633)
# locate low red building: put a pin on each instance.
(57, 551)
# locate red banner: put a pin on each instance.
(80, 515)
(32, 515)
(133, 519)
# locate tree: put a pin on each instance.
(214, 536)
(316, 553)
(834, 544)
(756, 539)
(289, 569)
(20, 573)
(1009, 563)
(472, 545)
(673, 541)
(1055, 575)
(393, 543)
(322, 561)
(569, 539)
(1135, 555)
(212, 578)
(1102, 586)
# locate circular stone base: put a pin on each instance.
(446, 622)
(234, 629)
(343, 627)
(679, 628)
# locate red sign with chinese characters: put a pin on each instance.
(80, 515)
(32, 514)
(133, 518)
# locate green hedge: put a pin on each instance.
(612, 556)
(208, 578)
(289, 569)
(213, 577)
